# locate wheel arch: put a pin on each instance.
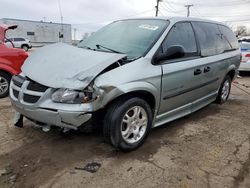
(146, 91)
(232, 73)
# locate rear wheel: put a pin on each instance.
(25, 47)
(127, 123)
(4, 84)
(224, 90)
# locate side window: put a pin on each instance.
(210, 39)
(181, 34)
(229, 36)
(18, 39)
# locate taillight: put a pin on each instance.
(247, 55)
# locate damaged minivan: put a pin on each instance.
(130, 76)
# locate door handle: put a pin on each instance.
(197, 71)
(206, 69)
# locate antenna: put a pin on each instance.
(61, 17)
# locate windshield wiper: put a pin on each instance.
(86, 47)
(101, 46)
(229, 50)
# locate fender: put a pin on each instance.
(112, 92)
(5, 65)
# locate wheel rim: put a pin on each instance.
(4, 86)
(134, 124)
(225, 90)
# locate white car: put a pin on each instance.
(18, 42)
(245, 52)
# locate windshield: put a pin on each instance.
(131, 37)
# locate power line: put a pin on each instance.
(214, 3)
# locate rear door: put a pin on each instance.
(18, 42)
(216, 52)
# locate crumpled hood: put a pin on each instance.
(64, 66)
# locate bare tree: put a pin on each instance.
(241, 30)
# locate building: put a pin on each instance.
(38, 32)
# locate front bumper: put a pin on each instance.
(64, 119)
(38, 106)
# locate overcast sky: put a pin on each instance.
(89, 15)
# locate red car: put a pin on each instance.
(11, 60)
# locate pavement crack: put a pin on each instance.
(244, 170)
(208, 174)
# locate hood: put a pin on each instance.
(64, 66)
(3, 29)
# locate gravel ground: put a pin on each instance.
(209, 148)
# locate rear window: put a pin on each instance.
(245, 46)
(210, 39)
(229, 36)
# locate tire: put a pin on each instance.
(127, 136)
(4, 84)
(224, 90)
(25, 47)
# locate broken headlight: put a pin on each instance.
(71, 96)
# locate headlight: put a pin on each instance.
(71, 96)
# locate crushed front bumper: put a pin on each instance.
(34, 102)
(60, 118)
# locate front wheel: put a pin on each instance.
(224, 90)
(127, 123)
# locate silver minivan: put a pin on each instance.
(130, 76)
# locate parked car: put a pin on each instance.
(245, 53)
(244, 39)
(11, 60)
(18, 42)
(132, 75)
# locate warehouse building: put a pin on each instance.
(38, 32)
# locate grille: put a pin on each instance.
(30, 98)
(18, 80)
(29, 95)
(34, 86)
(15, 93)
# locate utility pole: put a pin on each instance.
(188, 9)
(157, 7)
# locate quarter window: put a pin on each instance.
(229, 36)
(181, 34)
(210, 38)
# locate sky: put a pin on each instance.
(90, 15)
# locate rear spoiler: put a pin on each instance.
(3, 29)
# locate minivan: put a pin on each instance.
(130, 76)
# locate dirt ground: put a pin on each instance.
(209, 148)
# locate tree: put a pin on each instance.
(241, 30)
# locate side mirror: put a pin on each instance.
(172, 52)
